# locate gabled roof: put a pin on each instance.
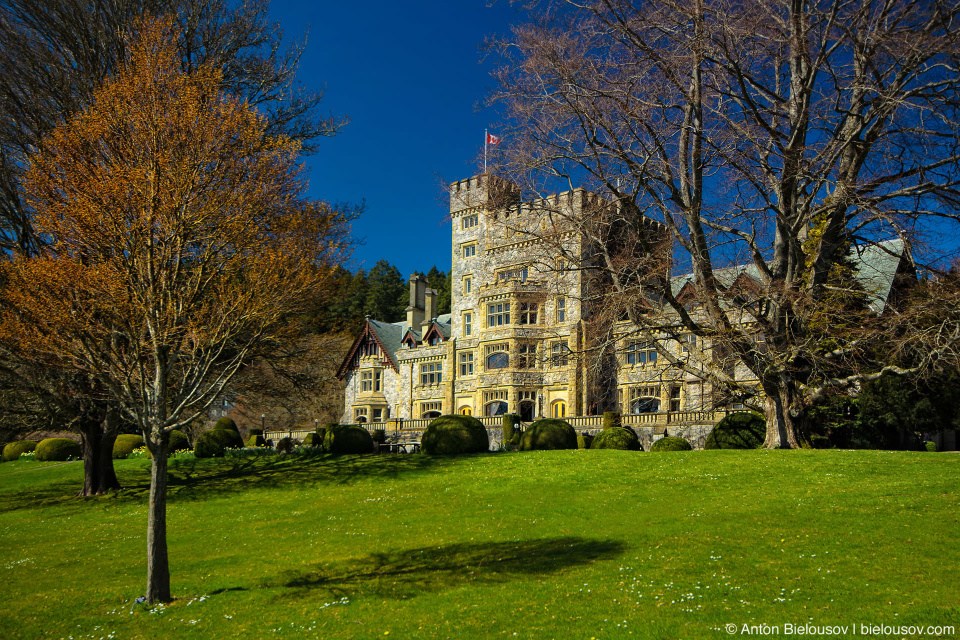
(439, 328)
(386, 335)
(877, 266)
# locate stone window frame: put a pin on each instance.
(528, 312)
(470, 221)
(559, 353)
(466, 362)
(432, 376)
(498, 314)
(561, 310)
(468, 249)
(467, 322)
(640, 353)
(467, 284)
(527, 355)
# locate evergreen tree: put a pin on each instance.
(441, 283)
(387, 295)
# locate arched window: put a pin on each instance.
(496, 408)
(466, 411)
(558, 409)
(498, 360)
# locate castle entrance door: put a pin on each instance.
(526, 411)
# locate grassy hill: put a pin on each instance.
(562, 544)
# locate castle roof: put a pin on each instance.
(876, 266)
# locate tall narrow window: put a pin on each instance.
(674, 398)
(467, 284)
(366, 381)
(466, 364)
(527, 356)
(467, 324)
(689, 343)
(377, 379)
(561, 309)
(558, 356)
(528, 313)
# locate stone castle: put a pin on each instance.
(519, 324)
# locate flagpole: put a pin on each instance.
(485, 138)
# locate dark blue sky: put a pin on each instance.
(410, 77)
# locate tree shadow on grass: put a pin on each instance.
(409, 572)
(196, 480)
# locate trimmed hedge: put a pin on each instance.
(743, 430)
(256, 440)
(584, 440)
(225, 423)
(286, 445)
(379, 436)
(313, 440)
(348, 438)
(211, 443)
(178, 440)
(617, 438)
(12, 451)
(454, 434)
(57, 450)
(548, 434)
(611, 419)
(931, 445)
(671, 444)
(125, 444)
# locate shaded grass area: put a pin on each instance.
(560, 544)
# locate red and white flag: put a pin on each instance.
(492, 139)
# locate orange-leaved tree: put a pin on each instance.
(181, 246)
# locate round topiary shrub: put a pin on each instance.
(379, 436)
(548, 434)
(313, 440)
(125, 444)
(742, 430)
(211, 443)
(671, 444)
(348, 438)
(226, 423)
(57, 450)
(931, 445)
(178, 442)
(583, 440)
(454, 434)
(12, 451)
(286, 445)
(256, 441)
(617, 438)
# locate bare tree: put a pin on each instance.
(754, 145)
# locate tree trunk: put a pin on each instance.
(784, 429)
(98, 438)
(158, 566)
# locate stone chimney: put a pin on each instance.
(430, 310)
(415, 310)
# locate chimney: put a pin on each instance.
(415, 310)
(430, 310)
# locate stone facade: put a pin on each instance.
(520, 320)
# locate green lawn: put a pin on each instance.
(565, 544)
